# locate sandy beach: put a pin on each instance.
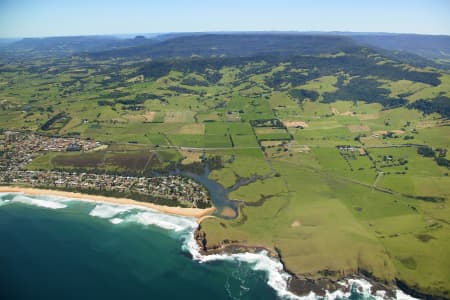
(180, 211)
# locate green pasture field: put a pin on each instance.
(131, 161)
(323, 209)
(268, 133)
(244, 140)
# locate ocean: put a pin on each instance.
(60, 248)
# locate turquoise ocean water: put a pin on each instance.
(58, 248)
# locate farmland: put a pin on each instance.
(341, 185)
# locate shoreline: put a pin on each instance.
(302, 285)
(198, 213)
(298, 285)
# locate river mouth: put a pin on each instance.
(226, 208)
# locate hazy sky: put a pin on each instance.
(29, 18)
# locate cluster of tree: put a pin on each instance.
(183, 90)
(285, 77)
(138, 99)
(390, 135)
(276, 123)
(148, 96)
(425, 151)
(213, 76)
(301, 95)
(111, 78)
(133, 108)
(442, 161)
(191, 81)
(212, 163)
(440, 158)
(280, 138)
(52, 120)
(440, 105)
(208, 67)
(106, 103)
(115, 94)
(130, 101)
(363, 89)
(68, 83)
(254, 69)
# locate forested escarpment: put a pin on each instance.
(358, 74)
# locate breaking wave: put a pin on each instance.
(277, 278)
(400, 295)
(184, 227)
(116, 220)
(170, 222)
(107, 211)
(22, 198)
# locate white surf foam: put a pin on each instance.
(364, 287)
(277, 278)
(54, 198)
(107, 211)
(400, 295)
(21, 198)
(116, 220)
(170, 222)
(3, 201)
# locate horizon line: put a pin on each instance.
(332, 32)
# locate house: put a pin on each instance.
(11, 136)
(73, 147)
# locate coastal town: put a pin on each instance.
(17, 150)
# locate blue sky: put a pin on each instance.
(30, 18)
